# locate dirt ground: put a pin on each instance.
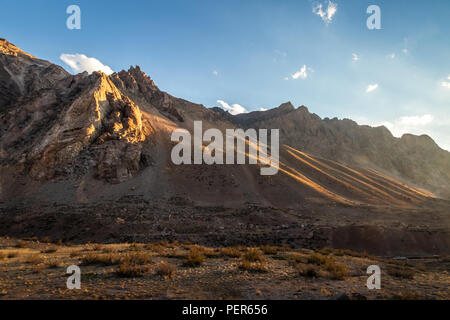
(33, 269)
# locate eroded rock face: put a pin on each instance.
(49, 117)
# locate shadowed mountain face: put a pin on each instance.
(85, 138)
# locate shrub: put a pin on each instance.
(400, 272)
(100, 259)
(165, 269)
(253, 255)
(2, 255)
(269, 249)
(232, 252)
(317, 258)
(337, 271)
(256, 266)
(307, 271)
(195, 257)
(137, 258)
(49, 250)
(34, 258)
(53, 263)
(128, 270)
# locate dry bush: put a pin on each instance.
(317, 258)
(34, 258)
(155, 247)
(350, 253)
(253, 255)
(100, 259)
(75, 254)
(137, 258)
(400, 271)
(308, 271)
(195, 257)
(165, 269)
(253, 266)
(231, 252)
(2, 255)
(270, 249)
(336, 270)
(209, 252)
(130, 270)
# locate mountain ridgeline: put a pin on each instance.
(82, 138)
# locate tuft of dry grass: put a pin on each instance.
(100, 259)
(165, 269)
(231, 252)
(195, 257)
(401, 271)
(129, 270)
(336, 271)
(308, 271)
(269, 249)
(34, 258)
(137, 258)
(49, 250)
(22, 244)
(253, 255)
(2, 255)
(253, 266)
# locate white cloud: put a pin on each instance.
(286, 78)
(233, 109)
(405, 51)
(437, 128)
(372, 87)
(326, 14)
(80, 63)
(445, 84)
(355, 57)
(302, 73)
(262, 109)
(215, 72)
(392, 55)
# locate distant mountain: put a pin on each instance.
(86, 138)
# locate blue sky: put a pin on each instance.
(242, 52)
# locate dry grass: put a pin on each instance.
(336, 271)
(53, 264)
(253, 255)
(127, 270)
(49, 250)
(2, 255)
(308, 271)
(195, 257)
(93, 258)
(269, 249)
(231, 252)
(255, 266)
(22, 244)
(137, 258)
(165, 269)
(34, 258)
(400, 271)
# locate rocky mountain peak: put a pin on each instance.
(9, 49)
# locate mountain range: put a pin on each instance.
(90, 138)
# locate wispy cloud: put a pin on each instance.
(391, 55)
(327, 13)
(80, 63)
(446, 84)
(233, 109)
(355, 57)
(215, 72)
(372, 87)
(301, 74)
